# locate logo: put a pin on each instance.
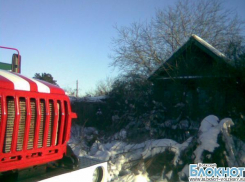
(210, 172)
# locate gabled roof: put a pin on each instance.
(199, 42)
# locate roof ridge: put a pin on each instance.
(202, 44)
(207, 45)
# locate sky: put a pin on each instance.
(71, 39)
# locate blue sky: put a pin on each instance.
(71, 39)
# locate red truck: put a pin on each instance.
(35, 122)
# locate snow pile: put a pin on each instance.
(133, 152)
(119, 135)
(208, 134)
(81, 139)
(129, 162)
(122, 156)
(208, 122)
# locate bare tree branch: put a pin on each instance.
(142, 47)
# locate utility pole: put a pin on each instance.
(77, 89)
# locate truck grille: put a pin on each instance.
(22, 127)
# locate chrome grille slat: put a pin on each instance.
(32, 124)
(51, 123)
(22, 124)
(42, 124)
(9, 124)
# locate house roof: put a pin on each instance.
(199, 42)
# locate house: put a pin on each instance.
(198, 77)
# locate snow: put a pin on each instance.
(210, 47)
(208, 122)
(140, 178)
(121, 155)
(137, 151)
(120, 135)
(209, 130)
(103, 155)
(78, 137)
(99, 99)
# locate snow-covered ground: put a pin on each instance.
(128, 162)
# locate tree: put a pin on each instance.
(70, 91)
(141, 47)
(103, 87)
(133, 89)
(46, 77)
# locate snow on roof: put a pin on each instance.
(209, 46)
(206, 47)
(97, 99)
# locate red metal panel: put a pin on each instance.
(62, 125)
(5, 83)
(69, 116)
(53, 89)
(66, 123)
(33, 85)
(22, 160)
(55, 128)
(68, 120)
